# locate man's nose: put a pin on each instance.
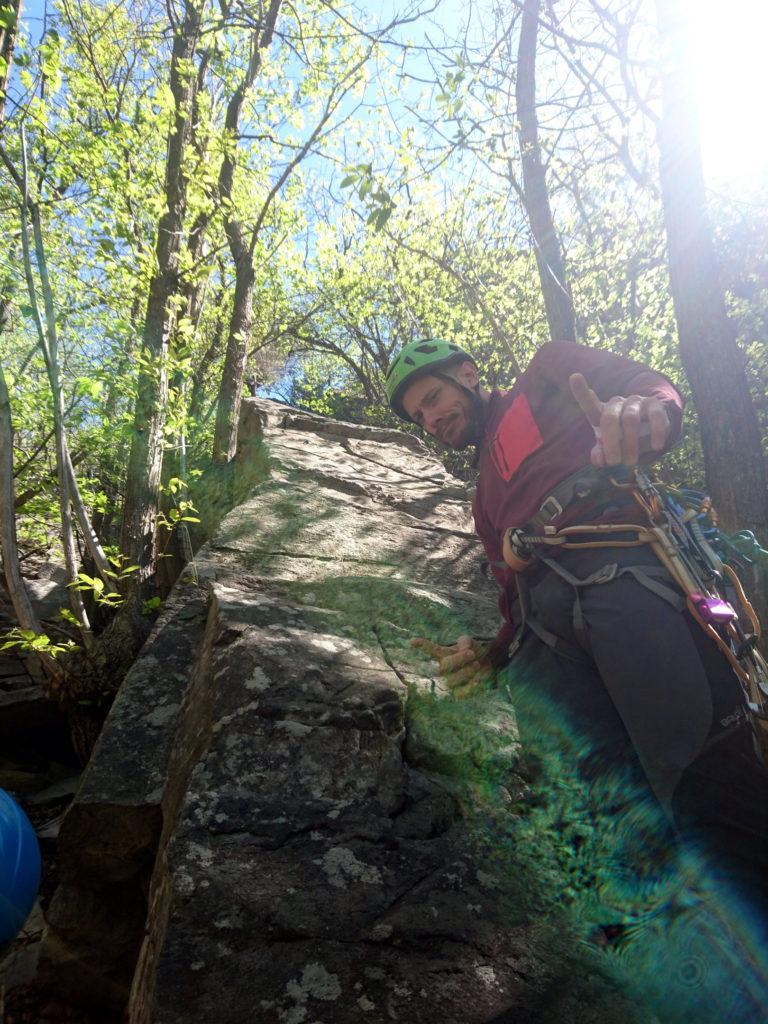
(432, 421)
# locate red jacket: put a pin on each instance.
(536, 435)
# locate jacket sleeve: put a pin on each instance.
(608, 375)
(505, 578)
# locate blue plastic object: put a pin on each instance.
(19, 867)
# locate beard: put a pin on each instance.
(473, 430)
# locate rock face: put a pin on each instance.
(285, 820)
(33, 731)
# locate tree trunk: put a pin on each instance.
(7, 44)
(8, 544)
(146, 456)
(22, 607)
(48, 340)
(195, 410)
(238, 339)
(549, 255)
(235, 359)
(730, 432)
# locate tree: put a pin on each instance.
(9, 16)
(734, 461)
(146, 456)
(549, 254)
(332, 77)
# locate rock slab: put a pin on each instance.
(263, 834)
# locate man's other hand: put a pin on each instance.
(464, 664)
(625, 428)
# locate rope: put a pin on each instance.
(682, 548)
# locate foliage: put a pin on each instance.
(29, 642)
(387, 228)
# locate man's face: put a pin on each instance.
(442, 408)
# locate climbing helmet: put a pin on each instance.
(430, 355)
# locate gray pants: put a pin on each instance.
(635, 684)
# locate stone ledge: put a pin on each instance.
(109, 837)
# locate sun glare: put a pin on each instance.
(731, 72)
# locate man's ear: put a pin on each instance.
(466, 374)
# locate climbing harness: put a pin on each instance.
(681, 529)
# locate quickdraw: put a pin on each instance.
(682, 530)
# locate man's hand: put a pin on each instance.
(624, 427)
(463, 664)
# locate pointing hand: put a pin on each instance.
(625, 428)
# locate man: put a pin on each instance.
(601, 635)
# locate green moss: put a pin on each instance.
(592, 859)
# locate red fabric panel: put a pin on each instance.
(517, 437)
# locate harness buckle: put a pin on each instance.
(603, 575)
(550, 508)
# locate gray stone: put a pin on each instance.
(21, 782)
(286, 819)
(109, 837)
(48, 593)
(18, 965)
(63, 788)
(49, 832)
(11, 667)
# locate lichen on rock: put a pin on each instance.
(318, 832)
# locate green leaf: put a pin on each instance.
(86, 582)
(7, 17)
(382, 216)
(69, 617)
(88, 386)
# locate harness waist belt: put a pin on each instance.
(576, 487)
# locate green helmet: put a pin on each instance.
(431, 355)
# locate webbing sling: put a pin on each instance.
(529, 621)
(648, 576)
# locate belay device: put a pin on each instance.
(682, 531)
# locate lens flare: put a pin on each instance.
(727, 49)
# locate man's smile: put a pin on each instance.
(447, 427)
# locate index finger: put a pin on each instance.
(434, 650)
(587, 400)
